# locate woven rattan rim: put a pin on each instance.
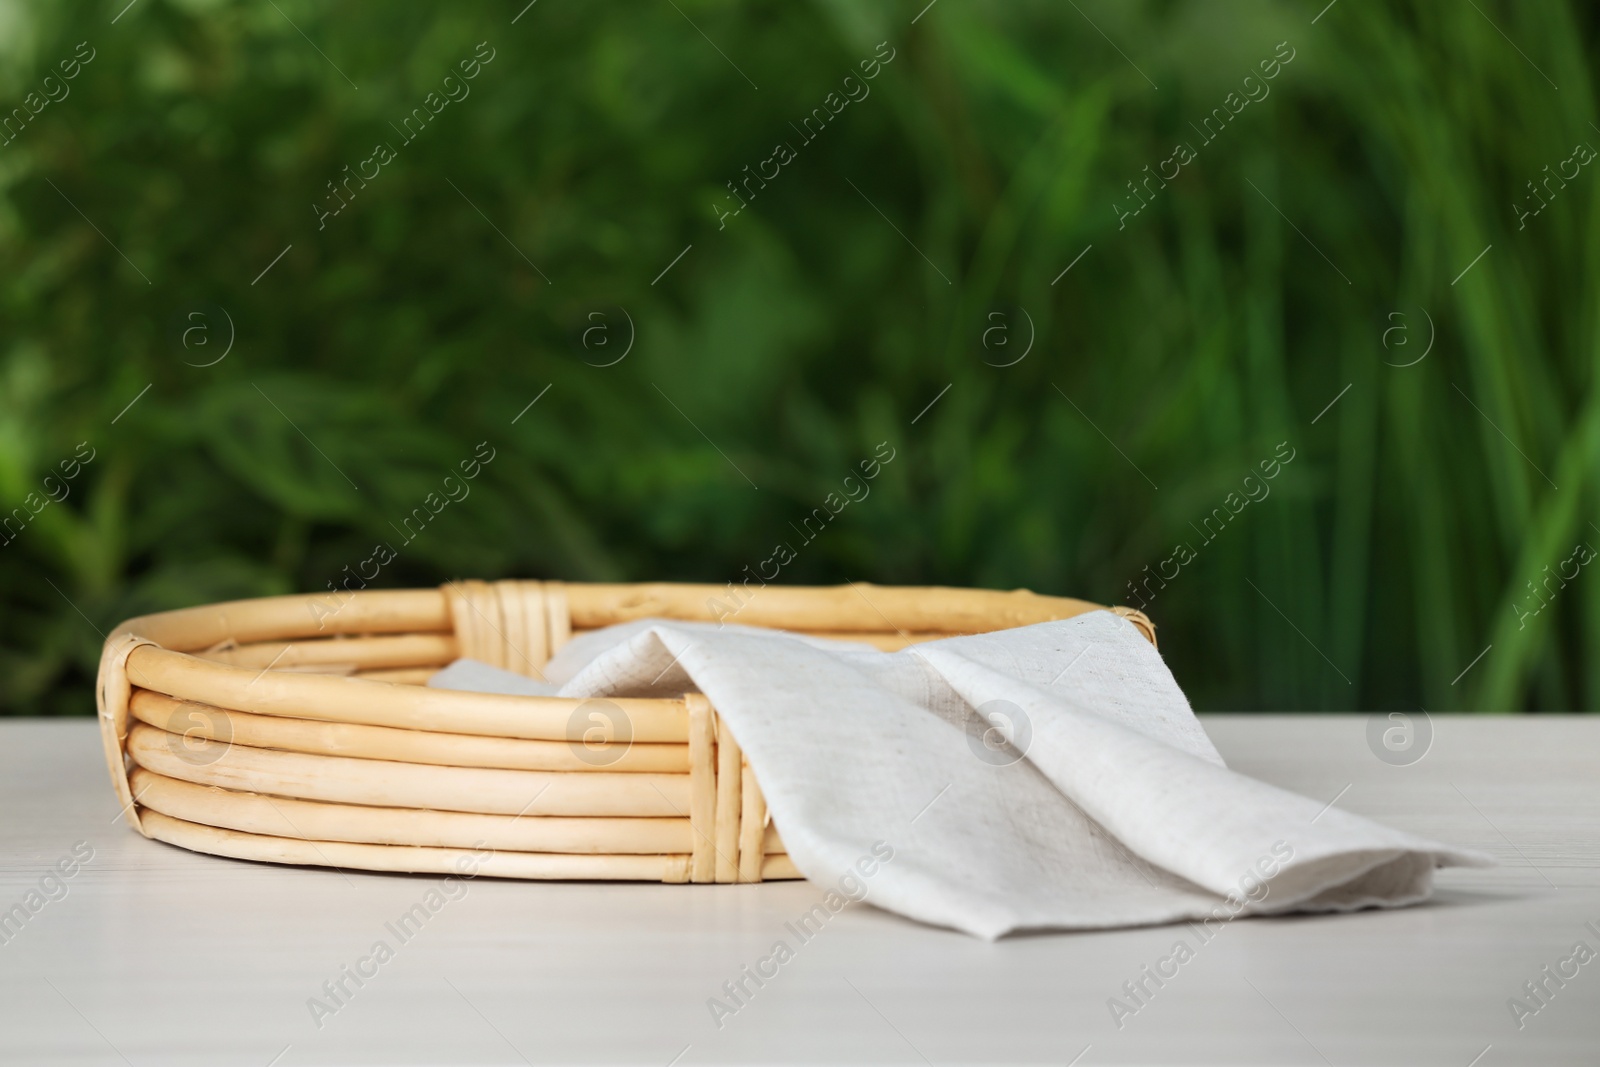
(296, 729)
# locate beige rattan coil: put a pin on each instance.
(297, 729)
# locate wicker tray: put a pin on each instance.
(298, 729)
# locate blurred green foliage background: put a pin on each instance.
(790, 339)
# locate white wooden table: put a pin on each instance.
(159, 956)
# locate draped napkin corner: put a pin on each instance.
(1050, 776)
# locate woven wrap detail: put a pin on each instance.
(727, 813)
(1139, 619)
(519, 625)
(111, 696)
(515, 625)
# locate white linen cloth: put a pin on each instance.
(1046, 777)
